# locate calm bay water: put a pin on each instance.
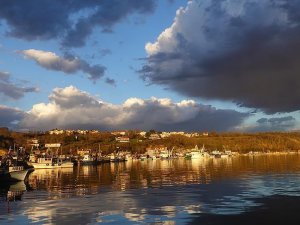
(243, 189)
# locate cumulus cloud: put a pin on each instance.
(9, 89)
(68, 64)
(244, 51)
(10, 116)
(70, 107)
(68, 20)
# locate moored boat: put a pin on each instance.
(195, 153)
(13, 173)
(87, 159)
(13, 168)
(165, 154)
(117, 157)
(51, 163)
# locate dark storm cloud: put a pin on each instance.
(275, 124)
(244, 51)
(10, 116)
(8, 89)
(69, 20)
(207, 119)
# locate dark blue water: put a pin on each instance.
(213, 191)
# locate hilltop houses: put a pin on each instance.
(122, 139)
(122, 136)
(70, 132)
(154, 137)
(155, 150)
(56, 131)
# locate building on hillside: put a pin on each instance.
(154, 137)
(168, 134)
(56, 131)
(143, 133)
(82, 131)
(94, 132)
(155, 150)
(69, 132)
(82, 152)
(122, 139)
(117, 133)
(191, 134)
(33, 143)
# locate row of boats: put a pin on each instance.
(15, 168)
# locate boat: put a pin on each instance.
(13, 169)
(154, 157)
(216, 154)
(165, 154)
(87, 159)
(117, 157)
(104, 159)
(195, 153)
(13, 173)
(51, 163)
(143, 157)
(128, 157)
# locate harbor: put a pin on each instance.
(149, 112)
(175, 191)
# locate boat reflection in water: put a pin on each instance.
(13, 191)
(176, 191)
(10, 194)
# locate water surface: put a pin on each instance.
(234, 190)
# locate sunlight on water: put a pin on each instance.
(158, 191)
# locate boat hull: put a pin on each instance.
(87, 163)
(18, 175)
(52, 166)
(14, 175)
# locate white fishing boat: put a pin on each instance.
(216, 154)
(51, 163)
(87, 159)
(128, 157)
(165, 154)
(195, 153)
(143, 157)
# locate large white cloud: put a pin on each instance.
(245, 51)
(70, 107)
(68, 64)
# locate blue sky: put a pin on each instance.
(104, 83)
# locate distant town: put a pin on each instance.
(121, 136)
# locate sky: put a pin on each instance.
(168, 65)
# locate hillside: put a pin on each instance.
(106, 141)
